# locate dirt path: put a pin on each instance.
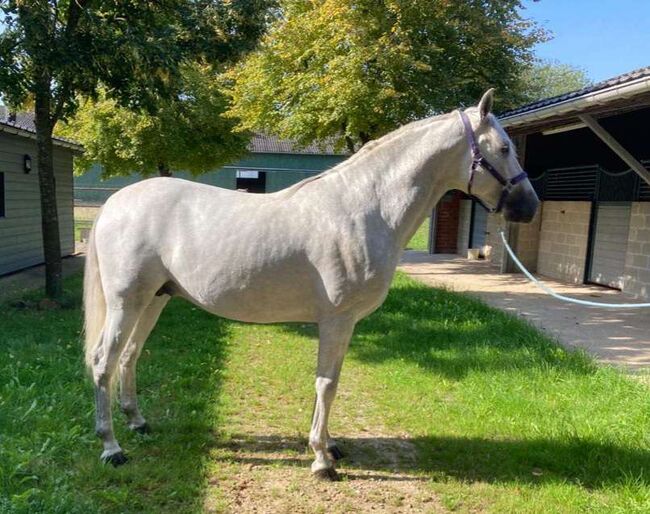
(271, 474)
(262, 468)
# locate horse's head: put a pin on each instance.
(496, 177)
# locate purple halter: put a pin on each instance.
(479, 160)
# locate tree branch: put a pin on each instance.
(59, 102)
(75, 8)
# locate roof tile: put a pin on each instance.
(545, 102)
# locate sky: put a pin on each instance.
(603, 37)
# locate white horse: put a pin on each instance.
(322, 251)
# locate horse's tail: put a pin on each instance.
(94, 301)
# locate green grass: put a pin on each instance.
(79, 224)
(420, 240)
(502, 419)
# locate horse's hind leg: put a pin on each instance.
(334, 339)
(129, 359)
(121, 317)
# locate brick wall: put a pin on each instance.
(447, 223)
(464, 219)
(563, 240)
(636, 277)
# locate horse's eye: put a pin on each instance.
(505, 149)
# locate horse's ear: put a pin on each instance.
(485, 105)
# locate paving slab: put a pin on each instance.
(616, 337)
(33, 278)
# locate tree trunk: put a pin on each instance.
(163, 170)
(350, 144)
(364, 137)
(49, 212)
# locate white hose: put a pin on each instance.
(562, 297)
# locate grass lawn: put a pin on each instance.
(444, 405)
(83, 219)
(420, 240)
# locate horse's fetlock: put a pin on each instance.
(102, 432)
(128, 407)
(317, 443)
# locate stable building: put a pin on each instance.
(587, 154)
(270, 165)
(21, 241)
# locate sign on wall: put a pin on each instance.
(248, 174)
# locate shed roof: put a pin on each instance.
(23, 125)
(623, 92)
(264, 143)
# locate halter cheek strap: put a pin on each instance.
(479, 161)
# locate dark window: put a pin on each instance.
(580, 183)
(2, 195)
(252, 181)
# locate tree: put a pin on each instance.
(545, 79)
(55, 51)
(187, 131)
(355, 69)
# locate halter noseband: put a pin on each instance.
(479, 160)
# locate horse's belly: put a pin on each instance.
(260, 308)
(263, 298)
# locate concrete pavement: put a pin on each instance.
(33, 278)
(618, 337)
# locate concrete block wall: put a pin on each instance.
(495, 250)
(636, 277)
(527, 246)
(464, 219)
(563, 240)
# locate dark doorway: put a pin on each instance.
(478, 226)
(251, 181)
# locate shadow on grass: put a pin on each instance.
(535, 461)
(452, 334)
(49, 456)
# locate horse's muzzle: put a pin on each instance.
(521, 204)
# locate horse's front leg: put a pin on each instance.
(334, 334)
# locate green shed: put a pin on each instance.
(21, 240)
(272, 164)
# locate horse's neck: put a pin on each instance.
(408, 173)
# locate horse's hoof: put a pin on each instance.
(336, 453)
(116, 459)
(142, 429)
(327, 475)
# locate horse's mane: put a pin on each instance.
(362, 153)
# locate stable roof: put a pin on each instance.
(618, 94)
